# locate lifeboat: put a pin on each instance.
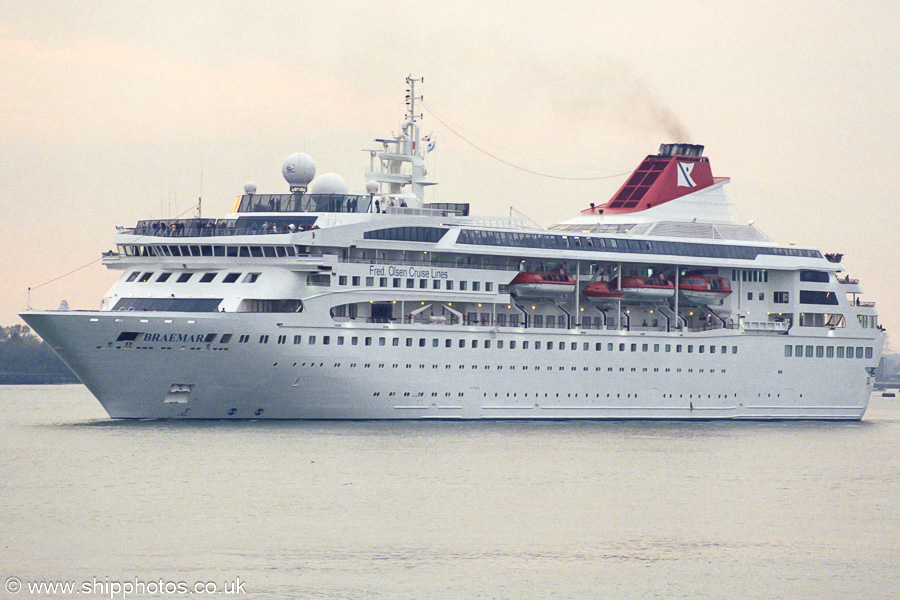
(541, 285)
(601, 293)
(646, 289)
(701, 289)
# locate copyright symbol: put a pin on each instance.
(13, 585)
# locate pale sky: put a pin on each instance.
(115, 111)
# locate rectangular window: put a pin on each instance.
(512, 345)
(163, 277)
(820, 352)
(749, 295)
(840, 352)
(859, 352)
(787, 350)
(207, 277)
(488, 286)
(409, 342)
(395, 341)
(354, 341)
(449, 284)
(734, 349)
(133, 276)
(537, 345)
(524, 345)
(476, 285)
(829, 352)
(422, 342)
(869, 352)
(809, 352)
(463, 286)
(297, 339)
(382, 281)
(312, 339)
(250, 278)
(370, 281)
(231, 277)
(780, 297)
(549, 345)
(368, 341)
(435, 284)
(382, 341)
(355, 280)
(184, 277)
(340, 340)
(342, 280)
(396, 282)
(410, 283)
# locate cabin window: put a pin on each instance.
(250, 278)
(184, 277)
(163, 277)
(207, 277)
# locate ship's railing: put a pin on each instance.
(193, 228)
(771, 326)
(294, 203)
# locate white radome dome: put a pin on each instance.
(250, 187)
(298, 169)
(328, 183)
(371, 187)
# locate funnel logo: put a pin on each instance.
(684, 174)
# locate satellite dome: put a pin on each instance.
(250, 187)
(298, 170)
(328, 183)
(371, 187)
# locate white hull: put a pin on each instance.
(286, 381)
(645, 295)
(703, 298)
(541, 290)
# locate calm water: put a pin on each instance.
(450, 510)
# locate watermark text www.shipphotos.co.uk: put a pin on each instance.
(120, 589)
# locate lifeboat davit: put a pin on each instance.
(601, 293)
(646, 289)
(701, 289)
(541, 285)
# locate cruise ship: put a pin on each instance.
(317, 303)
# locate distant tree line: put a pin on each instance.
(26, 359)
